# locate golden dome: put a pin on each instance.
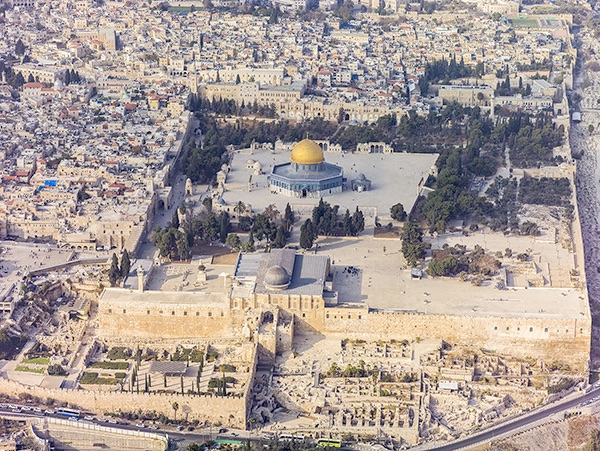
(307, 152)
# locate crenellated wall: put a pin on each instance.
(228, 410)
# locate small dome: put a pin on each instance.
(250, 162)
(257, 166)
(361, 176)
(277, 278)
(307, 152)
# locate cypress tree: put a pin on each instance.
(114, 272)
(307, 234)
(125, 264)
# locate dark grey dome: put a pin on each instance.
(277, 277)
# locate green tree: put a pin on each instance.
(397, 212)
(347, 225)
(114, 272)
(249, 245)
(280, 238)
(30, 79)
(233, 241)
(288, 217)
(413, 247)
(341, 115)
(307, 234)
(175, 220)
(224, 226)
(125, 264)
(207, 203)
(175, 406)
(358, 221)
(20, 48)
(183, 247)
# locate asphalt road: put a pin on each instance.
(530, 418)
(202, 435)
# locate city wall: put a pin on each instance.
(167, 320)
(229, 411)
(561, 339)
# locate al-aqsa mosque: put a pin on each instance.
(307, 174)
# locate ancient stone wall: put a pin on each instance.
(562, 339)
(148, 320)
(230, 411)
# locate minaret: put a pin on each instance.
(140, 277)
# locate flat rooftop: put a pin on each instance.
(395, 178)
(220, 300)
(383, 281)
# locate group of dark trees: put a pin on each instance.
(545, 191)
(451, 261)
(72, 76)
(504, 88)
(414, 248)
(14, 80)
(503, 193)
(228, 107)
(201, 164)
(327, 221)
(442, 71)
(176, 239)
(117, 272)
(530, 140)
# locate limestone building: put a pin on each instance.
(307, 174)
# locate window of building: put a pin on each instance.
(147, 312)
(209, 314)
(109, 310)
(184, 313)
(546, 329)
(124, 311)
(197, 313)
(531, 329)
(173, 313)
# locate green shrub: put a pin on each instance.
(111, 365)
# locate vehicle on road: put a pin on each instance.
(329, 443)
(70, 413)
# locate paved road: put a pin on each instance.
(524, 421)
